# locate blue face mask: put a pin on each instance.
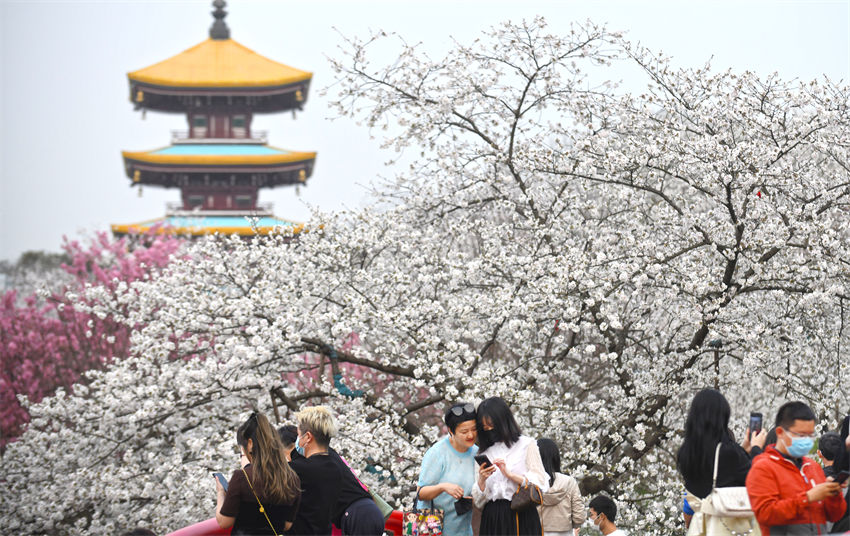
(800, 446)
(298, 448)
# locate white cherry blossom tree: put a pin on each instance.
(593, 255)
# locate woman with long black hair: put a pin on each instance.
(514, 461)
(707, 426)
(562, 510)
(263, 496)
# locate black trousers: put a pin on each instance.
(362, 518)
(497, 519)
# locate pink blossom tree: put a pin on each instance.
(46, 342)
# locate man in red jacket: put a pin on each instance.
(788, 491)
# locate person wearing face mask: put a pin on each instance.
(355, 513)
(602, 512)
(514, 461)
(447, 473)
(788, 490)
(320, 476)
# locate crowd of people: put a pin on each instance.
(484, 460)
(291, 481)
(789, 492)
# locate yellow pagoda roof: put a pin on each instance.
(219, 154)
(200, 226)
(219, 63)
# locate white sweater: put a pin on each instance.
(522, 458)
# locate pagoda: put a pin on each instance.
(219, 162)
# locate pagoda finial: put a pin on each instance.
(219, 29)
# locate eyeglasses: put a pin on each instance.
(466, 408)
(800, 436)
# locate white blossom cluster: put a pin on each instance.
(578, 250)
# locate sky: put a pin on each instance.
(65, 116)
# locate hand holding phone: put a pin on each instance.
(221, 480)
(841, 477)
(756, 420)
(485, 471)
(822, 491)
(482, 460)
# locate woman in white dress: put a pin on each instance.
(514, 460)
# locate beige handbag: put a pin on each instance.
(725, 512)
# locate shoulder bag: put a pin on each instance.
(726, 511)
(527, 495)
(427, 522)
(383, 506)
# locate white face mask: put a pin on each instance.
(591, 524)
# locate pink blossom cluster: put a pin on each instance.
(47, 343)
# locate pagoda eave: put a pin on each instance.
(219, 72)
(293, 174)
(260, 99)
(202, 225)
(214, 161)
(262, 179)
(164, 168)
(235, 87)
(176, 176)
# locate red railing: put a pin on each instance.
(210, 527)
(204, 528)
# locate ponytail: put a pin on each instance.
(271, 471)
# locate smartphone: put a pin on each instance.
(221, 479)
(841, 477)
(482, 460)
(755, 424)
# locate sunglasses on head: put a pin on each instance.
(466, 408)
